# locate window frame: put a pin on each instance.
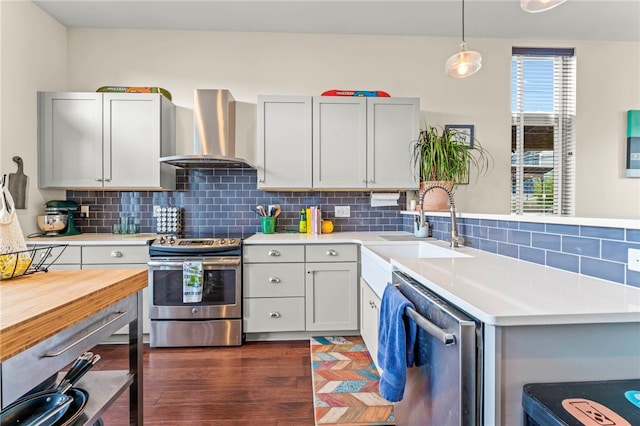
(562, 118)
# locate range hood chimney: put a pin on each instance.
(214, 144)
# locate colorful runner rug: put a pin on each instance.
(345, 384)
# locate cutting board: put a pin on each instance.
(18, 185)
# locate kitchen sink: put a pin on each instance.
(416, 249)
(404, 238)
(375, 259)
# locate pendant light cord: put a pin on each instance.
(462, 21)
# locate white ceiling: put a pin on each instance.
(610, 20)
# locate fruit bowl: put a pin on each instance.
(37, 259)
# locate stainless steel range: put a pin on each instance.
(216, 320)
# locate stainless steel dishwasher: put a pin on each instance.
(445, 388)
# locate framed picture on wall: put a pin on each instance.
(464, 132)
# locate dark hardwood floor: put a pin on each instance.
(258, 383)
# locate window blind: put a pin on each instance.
(543, 131)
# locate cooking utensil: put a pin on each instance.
(261, 210)
(39, 410)
(278, 210)
(82, 369)
(75, 410)
(46, 408)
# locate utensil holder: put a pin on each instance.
(268, 224)
(420, 231)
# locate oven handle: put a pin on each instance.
(230, 261)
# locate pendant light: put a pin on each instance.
(465, 62)
(535, 6)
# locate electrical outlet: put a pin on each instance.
(84, 211)
(633, 260)
(156, 211)
(342, 211)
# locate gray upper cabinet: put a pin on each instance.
(105, 140)
(284, 142)
(392, 125)
(339, 143)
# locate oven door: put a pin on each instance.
(221, 293)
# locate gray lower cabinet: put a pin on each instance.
(369, 318)
(300, 287)
(63, 258)
(273, 288)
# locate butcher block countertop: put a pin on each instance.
(37, 306)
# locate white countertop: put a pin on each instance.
(95, 239)
(499, 290)
(335, 237)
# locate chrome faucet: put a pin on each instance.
(456, 239)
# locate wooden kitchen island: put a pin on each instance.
(48, 319)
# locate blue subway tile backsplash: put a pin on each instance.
(222, 202)
(599, 252)
(581, 246)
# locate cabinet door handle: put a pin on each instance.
(332, 252)
(274, 314)
(275, 253)
(274, 280)
(98, 180)
(63, 350)
(107, 180)
(116, 253)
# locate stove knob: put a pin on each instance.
(232, 241)
(221, 241)
(172, 239)
(161, 240)
(194, 310)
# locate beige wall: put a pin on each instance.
(250, 64)
(33, 57)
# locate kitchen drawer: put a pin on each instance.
(273, 253)
(332, 253)
(30, 367)
(114, 254)
(69, 255)
(267, 280)
(274, 314)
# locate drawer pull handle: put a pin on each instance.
(332, 252)
(274, 314)
(63, 350)
(274, 280)
(274, 253)
(116, 253)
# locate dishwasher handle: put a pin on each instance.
(447, 338)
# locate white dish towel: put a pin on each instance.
(192, 282)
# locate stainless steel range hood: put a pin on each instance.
(214, 144)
